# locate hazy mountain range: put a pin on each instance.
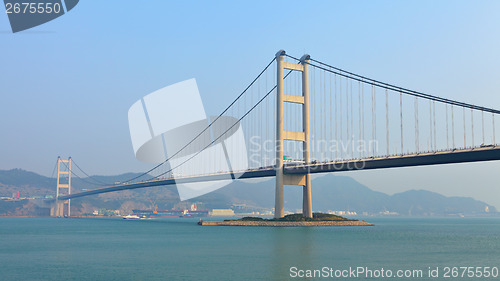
(329, 192)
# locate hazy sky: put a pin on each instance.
(67, 85)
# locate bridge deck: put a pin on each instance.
(265, 172)
(488, 153)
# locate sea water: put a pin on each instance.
(179, 249)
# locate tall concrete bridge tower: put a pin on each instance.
(63, 188)
(282, 135)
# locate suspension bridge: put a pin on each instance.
(302, 116)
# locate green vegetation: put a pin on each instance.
(299, 217)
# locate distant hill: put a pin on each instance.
(19, 177)
(329, 192)
(423, 202)
(332, 192)
(25, 182)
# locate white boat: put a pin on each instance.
(131, 217)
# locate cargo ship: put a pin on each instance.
(197, 213)
(152, 214)
(192, 212)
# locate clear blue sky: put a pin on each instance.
(67, 85)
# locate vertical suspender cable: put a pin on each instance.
(255, 117)
(270, 127)
(340, 116)
(363, 117)
(374, 122)
(416, 126)
(347, 112)
(267, 124)
(452, 127)
(241, 123)
(465, 139)
(325, 132)
(320, 113)
(251, 121)
(401, 119)
(373, 125)
(482, 124)
(375, 118)
(331, 116)
(352, 127)
(429, 145)
(359, 117)
(263, 131)
(434, 117)
(387, 119)
(472, 126)
(259, 120)
(336, 117)
(493, 122)
(447, 134)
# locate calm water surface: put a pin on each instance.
(179, 249)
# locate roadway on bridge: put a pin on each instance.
(488, 153)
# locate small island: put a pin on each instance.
(318, 219)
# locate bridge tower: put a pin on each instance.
(282, 135)
(66, 173)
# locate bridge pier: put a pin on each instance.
(58, 208)
(282, 135)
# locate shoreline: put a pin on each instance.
(284, 223)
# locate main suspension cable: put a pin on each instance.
(207, 127)
(397, 88)
(216, 139)
(90, 177)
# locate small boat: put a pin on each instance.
(131, 217)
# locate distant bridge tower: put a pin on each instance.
(282, 135)
(59, 208)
